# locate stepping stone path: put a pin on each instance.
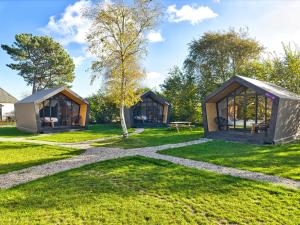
(93, 155)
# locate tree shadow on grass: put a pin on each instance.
(16, 156)
(12, 132)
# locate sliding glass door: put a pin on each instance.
(244, 109)
(59, 111)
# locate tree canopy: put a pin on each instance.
(217, 56)
(282, 70)
(42, 62)
(117, 39)
(182, 92)
(102, 109)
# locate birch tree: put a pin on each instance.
(117, 38)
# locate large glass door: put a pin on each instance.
(59, 111)
(245, 110)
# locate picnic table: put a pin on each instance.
(180, 124)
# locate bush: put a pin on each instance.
(102, 109)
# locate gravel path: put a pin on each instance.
(93, 155)
(226, 170)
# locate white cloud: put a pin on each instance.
(78, 60)
(216, 1)
(155, 36)
(193, 14)
(280, 23)
(71, 25)
(153, 79)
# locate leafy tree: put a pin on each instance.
(117, 39)
(41, 61)
(281, 70)
(217, 56)
(102, 109)
(182, 92)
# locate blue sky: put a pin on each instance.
(270, 22)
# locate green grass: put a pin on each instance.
(12, 132)
(16, 156)
(93, 132)
(141, 191)
(153, 137)
(281, 160)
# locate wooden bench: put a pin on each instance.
(181, 124)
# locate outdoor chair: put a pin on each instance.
(221, 122)
(262, 127)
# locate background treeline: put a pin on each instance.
(212, 59)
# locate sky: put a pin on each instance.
(269, 22)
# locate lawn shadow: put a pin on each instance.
(13, 132)
(15, 166)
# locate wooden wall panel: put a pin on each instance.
(165, 114)
(211, 112)
(74, 98)
(83, 111)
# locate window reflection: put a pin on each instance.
(59, 110)
(244, 109)
(148, 111)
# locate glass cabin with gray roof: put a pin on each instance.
(245, 109)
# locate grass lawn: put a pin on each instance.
(154, 137)
(12, 132)
(141, 191)
(16, 156)
(281, 160)
(93, 132)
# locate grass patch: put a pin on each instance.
(6, 123)
(281, 160)
(93, 132)
(141, 191)
(153, 137)
(12, 132)
(16, 156)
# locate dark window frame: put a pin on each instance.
(60, 97)
(245, 95)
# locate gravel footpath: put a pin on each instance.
(225, 170)
(93, 155)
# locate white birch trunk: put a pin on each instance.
(123, 122)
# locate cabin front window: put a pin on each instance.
(59, 110)
(245, 110)
(148, 111)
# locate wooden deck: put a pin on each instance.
(238, 136)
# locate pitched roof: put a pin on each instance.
(5, 97)
(156, 97)
(259, 86)
(42, 95)
(271, 88)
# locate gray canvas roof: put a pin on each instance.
(42, 95)
(257, 85)
(5, 97)
(272, 88)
